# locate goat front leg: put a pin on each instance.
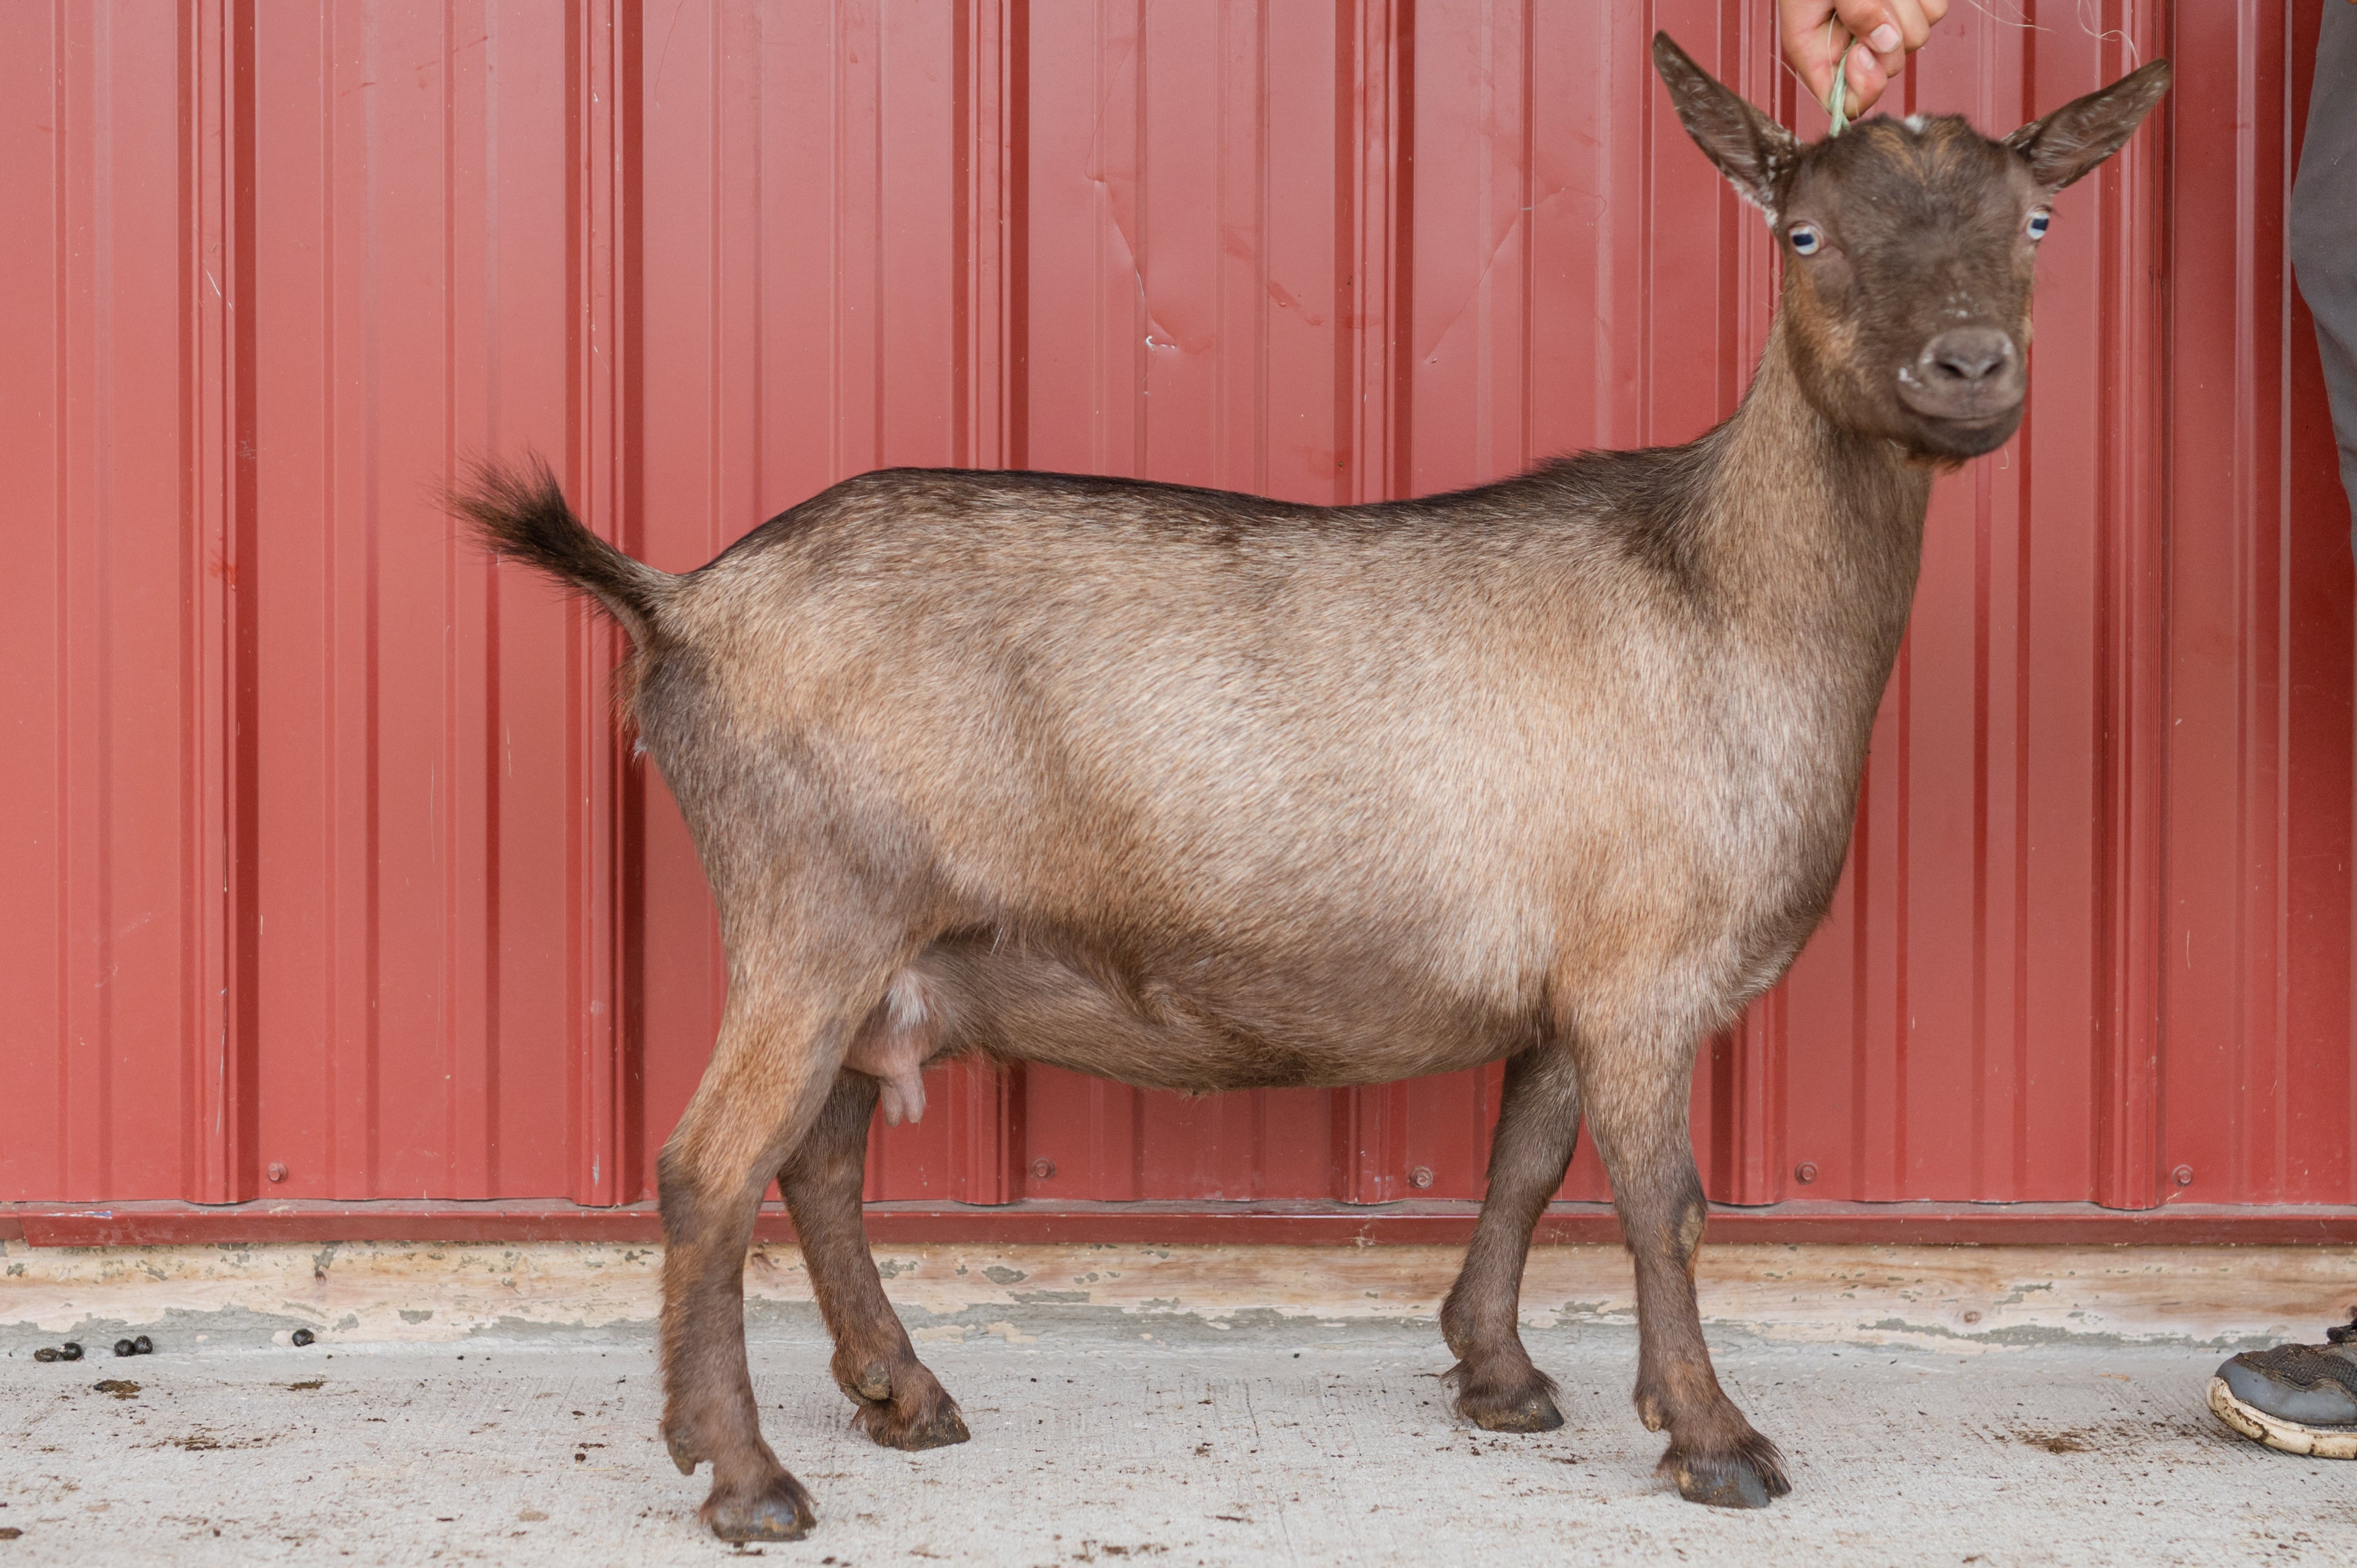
(1498, 1389)
(1635, 1091)
(901, 1405)
(781, 1038)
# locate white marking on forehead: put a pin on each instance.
(1915, 123)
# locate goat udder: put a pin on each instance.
(897, 1061)
(893, 1046)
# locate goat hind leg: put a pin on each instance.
(1498, 1389)
(1635, 1092)
(901, 1404)
(769, 1075)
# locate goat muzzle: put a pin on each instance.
(1965, 375)
(1965, 390)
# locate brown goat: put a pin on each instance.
(1204, 791)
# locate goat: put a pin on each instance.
(1201, 791)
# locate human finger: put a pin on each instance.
(1813, 40)
(1878, 25)
(1914, 19)
(1867, 79)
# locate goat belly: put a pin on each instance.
(1242, 1028)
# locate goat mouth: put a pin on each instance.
(1967, 436)
(1962, 411)
(1976, 419)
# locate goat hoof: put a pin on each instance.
(779, 1509)
(1749, 1477)
(945, 1428)
(1535, 1412)
(937, 1425)
(1729, 1485)
(1524, 1403)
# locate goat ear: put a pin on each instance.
(2085, 131)
(1752, 150)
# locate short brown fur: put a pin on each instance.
(1201, 791)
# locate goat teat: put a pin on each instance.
(1909, 248)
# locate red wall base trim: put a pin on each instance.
(1446, 1224)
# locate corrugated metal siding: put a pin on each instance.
(332, 861)
(1947, 1036)
(109, 860)
(426, 920)
(2257, 1097)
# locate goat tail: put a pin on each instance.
(519, 510)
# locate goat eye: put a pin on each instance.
(1804, 237)
(2038, 222)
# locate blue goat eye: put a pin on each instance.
(2038, 222)
(1804, 239)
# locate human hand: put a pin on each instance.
(1816, 31)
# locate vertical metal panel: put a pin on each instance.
(427, 742)
(1190, 236)
(331, 856)
(814, 304)
(110, 924)
(1946, 1035)
(2259, 1100)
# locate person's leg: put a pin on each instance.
(2303, 1398)
(2323, 226)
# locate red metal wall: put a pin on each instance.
(321, 853)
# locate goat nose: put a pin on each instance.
(1967, 356)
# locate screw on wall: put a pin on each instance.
(276, 1171)
(1805, 1172)
(1420, 1177)
(2182, 1176)
(1043, 1170)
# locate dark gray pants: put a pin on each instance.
(2323, 227)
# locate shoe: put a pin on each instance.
(2301, 1398)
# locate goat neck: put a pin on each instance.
(1809, 536)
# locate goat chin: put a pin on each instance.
(1959, 439)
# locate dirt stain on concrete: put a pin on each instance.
(2058, 1442)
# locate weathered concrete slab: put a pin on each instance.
(1283, 1443)
(1171, 1406)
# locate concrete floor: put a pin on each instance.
(1098, 1438)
